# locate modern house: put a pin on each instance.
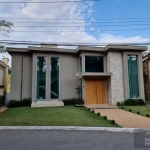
(48, 74)
(4, 71)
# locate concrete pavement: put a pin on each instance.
(124, 118)
(3, 108)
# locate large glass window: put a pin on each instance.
(94, 64)
(54, 78)
(41, 78)
(133, 76)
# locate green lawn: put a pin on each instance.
(142, 109)
(52, 116)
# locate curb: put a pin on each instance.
(74, 128)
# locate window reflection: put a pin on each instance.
(94, 64)
(133, 76)
(54, 77)
(41, 78)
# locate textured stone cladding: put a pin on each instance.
(115, 84)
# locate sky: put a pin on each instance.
(104, 21)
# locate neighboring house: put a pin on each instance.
(146, 74)
(49, 74)
(4, 71)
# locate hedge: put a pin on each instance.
(134, 102)
(19, 103)
(70, 101)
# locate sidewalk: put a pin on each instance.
(2, 109)
(124, 118)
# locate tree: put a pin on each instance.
(5, 27)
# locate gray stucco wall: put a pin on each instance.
(16, 76)
(69, 64)
(68, 82)
(115, 84)
(27, 77)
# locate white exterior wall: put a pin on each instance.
(16, 76)
(115, 83)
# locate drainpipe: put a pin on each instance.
(21, 78)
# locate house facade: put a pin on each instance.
(4, 71)
(49, 74)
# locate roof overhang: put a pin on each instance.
(52, 50)
(125, 48)
(90, 49)
(79, 49)
(16, 50)
(92, 74)
(4, 65)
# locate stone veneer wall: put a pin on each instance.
(115, 84)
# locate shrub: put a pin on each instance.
(134, 102)
(112, 121)
(89, 109)
(122, 103)
(122, 107)
(79, 101)
(2, 99)
(118, 103)
(105, 117)
(92, 111)
(130, 110)
(138, 112)
(130, 102)
(71, 101)
(147, 115)
(140, 102)
(19, 103)
(98, 114)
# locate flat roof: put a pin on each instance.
(79, 49)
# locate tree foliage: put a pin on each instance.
(5, 27)
(8, 83)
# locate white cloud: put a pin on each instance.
(56, 11)
(109, 38)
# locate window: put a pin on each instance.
(41, 78)
(80, 64)
(133, 76)
(94, 64)
(54, 78)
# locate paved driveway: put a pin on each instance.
(124, 118)
(3, 108)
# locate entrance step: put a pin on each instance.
(47, 103)
(101, 106)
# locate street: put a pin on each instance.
(65, 140)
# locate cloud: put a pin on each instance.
(109, 38)
(74, 13)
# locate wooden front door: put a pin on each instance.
(95, 92)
